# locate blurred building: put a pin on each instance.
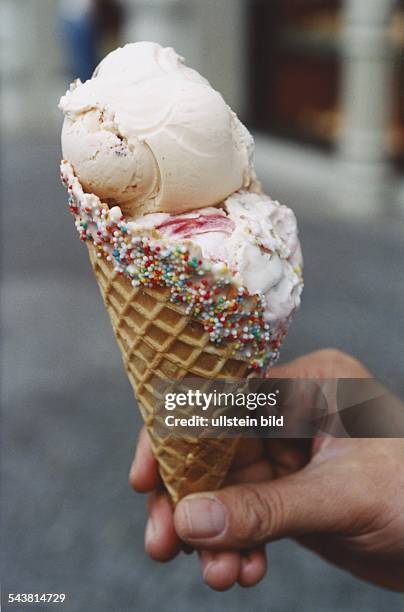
(320, 81)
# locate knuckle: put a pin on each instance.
(333, 355)
(340, 364)
(262, 512)
(345, 362)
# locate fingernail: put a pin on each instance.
(200, 517)
(150, 531)
(207, 561)
(207, 570)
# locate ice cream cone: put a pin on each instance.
(199, 270)
(159, 343)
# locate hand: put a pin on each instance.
(342, 498)
(220, 569)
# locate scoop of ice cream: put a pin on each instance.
(150, 134)
(208, 227)
(256, 237)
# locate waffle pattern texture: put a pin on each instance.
(159, 343)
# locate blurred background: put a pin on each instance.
(321, 85)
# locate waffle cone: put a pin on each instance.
(159, 342)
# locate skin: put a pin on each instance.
(340, 497)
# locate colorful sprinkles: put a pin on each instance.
(207, 291)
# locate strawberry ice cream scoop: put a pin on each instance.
(235, 268)
(255, 237)
(210, 228)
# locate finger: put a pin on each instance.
(161, 540)
(143, 475)
(221, 569)
(253, 567)
(248, 451)
(327, 363)
(288, 455)
(245, 516)
(257, 472)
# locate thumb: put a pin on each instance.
(244, 516)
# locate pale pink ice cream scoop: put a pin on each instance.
(254, 236)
